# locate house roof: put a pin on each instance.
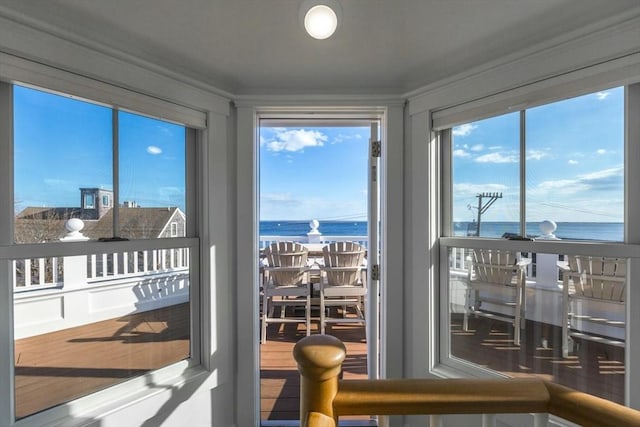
(40, 213)
(41, 224)
(136, 223)
(259, 46)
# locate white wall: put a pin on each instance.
(178, 395)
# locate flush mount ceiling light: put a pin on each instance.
(320, 18)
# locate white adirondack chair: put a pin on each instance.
(286, 277)
(594, 291)
(343, 283)
(496, 288)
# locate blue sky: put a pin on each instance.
(574, 162)
(313, 173)
(63, 144)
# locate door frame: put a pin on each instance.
(247, 349)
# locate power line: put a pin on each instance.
(344, 217)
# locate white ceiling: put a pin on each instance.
(259, 46)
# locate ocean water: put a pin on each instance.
(301, 228)
(604, 231)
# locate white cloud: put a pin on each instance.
(608, 180)
(601, 151)
(340, 138)
(602, 95)
(464, 130)
(497, 158)
(460, 153)
(477, 147)
(152, 149)
(560, 186)
(536, 155)
(295, 140)
(572, 162)
(603, 174)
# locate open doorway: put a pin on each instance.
(318, 184)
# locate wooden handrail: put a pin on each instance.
(324, 397)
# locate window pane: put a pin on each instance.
(491, 328)
(486, 156)
(575, 166)
(62, 147)
(152, 177)
(108, 318)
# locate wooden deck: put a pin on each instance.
(595, 368)
(279, 378)
(58, 367)
(61, 366)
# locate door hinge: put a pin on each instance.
(375, 272)
(376, 148)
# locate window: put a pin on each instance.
(575, 166)
(84, 322)
(486, 188)
(563, 161)
(548, 173)
(89, 201)
(152, 172)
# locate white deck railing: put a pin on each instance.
(136, 263)
(46, 273)
(267, 240)
(37, 273)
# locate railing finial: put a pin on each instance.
(313, 236)
(319, 360)
(74, 227)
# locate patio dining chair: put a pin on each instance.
(496, 288)
(343, 284)
(286, 277)
(593, 306)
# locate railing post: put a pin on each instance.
(319, 360)
(313, 236)
(74, 267)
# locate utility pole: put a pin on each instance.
(482, 207)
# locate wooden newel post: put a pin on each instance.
(319, 360)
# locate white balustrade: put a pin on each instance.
(46, 273)
(314, 236)
(37, 273)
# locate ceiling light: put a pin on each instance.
(320, 20)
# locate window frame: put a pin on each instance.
(447, 366)
(9, 250)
